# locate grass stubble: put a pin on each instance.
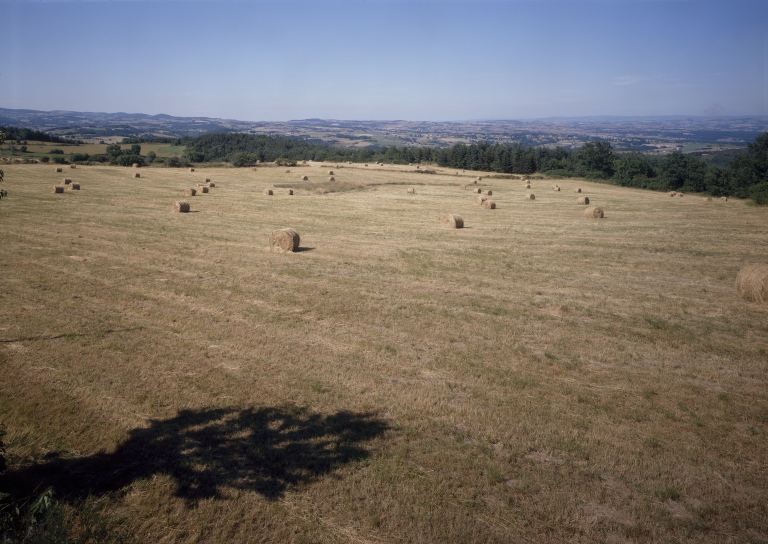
(536, 375)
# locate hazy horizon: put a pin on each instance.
(427, 60)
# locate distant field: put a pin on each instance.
(534, 377)
(37, 148)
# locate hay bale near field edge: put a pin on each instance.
(284, 240)
(452, 221)
(752, 283)
(489, 192)
(190, 192)
(181, 206)
(58, 169)
(582, 200)
(136, 175)
(489, 205)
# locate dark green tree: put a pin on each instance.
(683, 172)
(596, 160)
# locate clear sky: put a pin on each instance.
(434, 60)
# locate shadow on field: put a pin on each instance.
(263, 450)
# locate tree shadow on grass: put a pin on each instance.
(264, 450)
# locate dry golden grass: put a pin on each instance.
(532, 377)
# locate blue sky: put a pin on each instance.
(433, 60)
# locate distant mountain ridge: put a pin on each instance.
(645, 134)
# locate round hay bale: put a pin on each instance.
(452, 221)
(527, 185)
(330, 172)
(672, 193)
(190, 192)
(474, 182)
(74, 187)
(289, 191)
(135, 165)
(463, 187)
(489, 192)
(349, 162)
(752, 283)
(366, 164)
(411, 191)
(202, 189)
(284, 240)
(489, 205)
(181, 206)
(418, 168)
(287, 171)
(57, 189)
(136, 175)
(680, 194)
(556, 188)
(479, 178)
(67, 181)
(478, 190)
(211, 184)
(58, 169)
(331, 178)
(303, 162)
(577, 190)
(304, 178)
(208, 180)
(530, 196)
(594, 213)
(191, 169)
(73, 166)
(267, 191)
(479, 199)
(724, 198)
(582, 200)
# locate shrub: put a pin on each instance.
(56, 152)
(151, 156)
(44, 159)
(759, 193)
(79, 157)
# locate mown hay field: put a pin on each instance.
(536, 376)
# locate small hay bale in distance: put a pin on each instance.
(331, 178)
(672, 193)
(135, 165)
(267, 191)
(479, 199)
(411, 191)
(73, 186)
(366, 164)
(577, 190)
(211, 184)
(489, 205)
(724, 198)
(530, 196)
(527, 185)
(452, 221)
(136, 175)
(202, 189)
(284, 240)
(489, 192)
(289, 191)
(287, 171)
(304, 178)
(58, 169)
(582, 200)
(752, 283)
(478, 190)
(67, 181)
(190, 192)
(594, 213)
(556, 188)
(207, 180)
(57, 189)
(463, 187)
(710, 199)
(479, 178)
(181, 206)
(330, 172)
(191, 169)
(680, 194)
(73, 166)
